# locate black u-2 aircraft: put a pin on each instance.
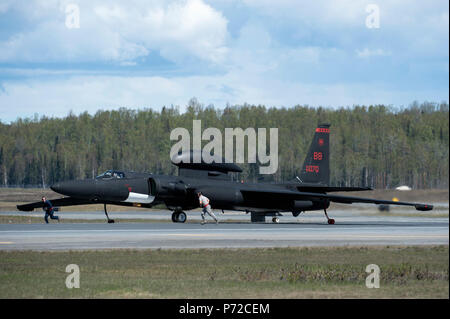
(309, 191)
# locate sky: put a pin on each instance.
(76, 55)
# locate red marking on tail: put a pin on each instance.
(320, 141)
(312, 168)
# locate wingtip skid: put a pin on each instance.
(423, 207)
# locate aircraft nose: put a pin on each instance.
(80, 188)
(62, 187)
(56, 187)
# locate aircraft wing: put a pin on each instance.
(292, 195)
(65, 201)
(326, 189)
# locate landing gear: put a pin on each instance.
(295, 214)
(110, 221)
(275, 220)
(330, 220)
(179, 217)
(257, 218)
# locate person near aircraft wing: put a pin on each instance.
(49, 210)
(206, 208)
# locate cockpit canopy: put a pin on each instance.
(110, 174)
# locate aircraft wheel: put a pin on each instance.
(331, 221)
(275, 220)
(175, 217)
(181, 217)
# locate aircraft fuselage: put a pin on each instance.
(179, 193)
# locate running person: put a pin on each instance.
(48, 208)
(206, 208)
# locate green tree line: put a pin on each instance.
(378, 146)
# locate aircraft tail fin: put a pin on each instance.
(316, 167)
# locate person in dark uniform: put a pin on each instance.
(48, 208)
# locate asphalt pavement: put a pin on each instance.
(349, 230)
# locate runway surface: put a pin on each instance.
(354, 231)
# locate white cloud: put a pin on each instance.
(365, 53)
(90, 93)
(406, 27)
(186, 27)
(115, 31)
(283, 53)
